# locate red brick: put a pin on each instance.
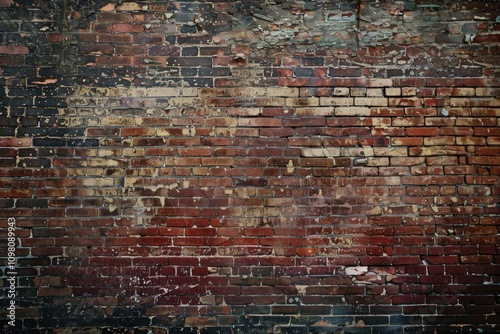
(483, 160)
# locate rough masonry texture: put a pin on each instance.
(290, 167)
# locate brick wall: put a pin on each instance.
(251, 167)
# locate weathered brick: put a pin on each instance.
(371, 101)
(311, 101)
(336, 101)
(393, 91)
(352, 111)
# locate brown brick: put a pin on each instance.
(11, 60)
(114, 60)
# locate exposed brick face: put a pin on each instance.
(252, 167)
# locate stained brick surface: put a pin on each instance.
(251, 166)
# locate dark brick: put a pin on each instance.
(58, 91)
(29, 122)
(348, 310)
(17, 102)
(189, 61)
(7, 132)
(312, 61)
(33, 203)
(250, 182)
(43, 60)
(193, 40)
(190, 51)
(49, 142)
(188, 29)
(30, 323)
(33, 262)
(113, 82)
(195, 7)
(185, 17)
(50, 102)
(448, 330)
(345, 72)
(51, 72)
(357, 330)
(276, 228)
(8, 121)
(294, 330)
(41, 112)
(30, 91)
(311, 310)
(440, 320)
(62, 132)
(10, 162)
(275, 320)
(382, 309)
(189, 72)
(15, 112)
(199, 82)
(468, 72)
(219, 71)
(409, 5)
(373, 320)
(9, 26)
(324, 329)
(405, 320)
(92, 72)
(83, 142)
(448, 39)
(157, 81)
(46, 232)
(209, 71)
(6, 203)
(217, 330)
(32, 132)
(394, 73)
(414, 330)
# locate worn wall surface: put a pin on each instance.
(251, 166)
